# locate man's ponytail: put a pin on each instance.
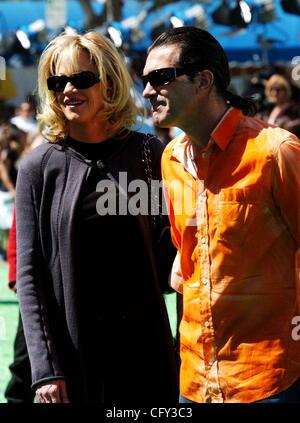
(246, 105)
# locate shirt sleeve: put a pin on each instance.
(287, 185)
(176, 276)
(30, 281)
(168, 203)
(287, 190)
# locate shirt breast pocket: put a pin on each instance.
(238, 211)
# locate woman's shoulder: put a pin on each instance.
(33, 160)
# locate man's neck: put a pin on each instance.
(199, 130)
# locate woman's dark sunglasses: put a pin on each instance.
(80, 80)
(163, 76)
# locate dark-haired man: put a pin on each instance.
(233, 188)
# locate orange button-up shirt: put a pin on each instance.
(235, 221)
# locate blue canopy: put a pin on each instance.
(280, 38)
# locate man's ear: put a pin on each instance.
(205, 79)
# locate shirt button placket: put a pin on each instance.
(204, 281)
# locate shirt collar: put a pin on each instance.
(224, 131)
(221, 135)
(182, 152)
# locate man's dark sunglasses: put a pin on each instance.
(163, 76)
(80, 80)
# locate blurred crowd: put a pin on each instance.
(18, 134)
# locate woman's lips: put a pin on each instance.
(74, 102)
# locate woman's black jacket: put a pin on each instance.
(49, 183)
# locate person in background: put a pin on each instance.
(232, 186)
(90, 264)
(12, 142)
(280, 108)
(18, 389)
(24, 118)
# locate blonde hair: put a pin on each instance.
(115, 88)
(280, 80)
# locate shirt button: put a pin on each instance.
(206, 324)
(210, 363)
(203, 240)
(203, 155)
(204, 281)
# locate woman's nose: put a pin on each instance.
(69, 87)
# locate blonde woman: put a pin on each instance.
(89, 286)
(280, 109)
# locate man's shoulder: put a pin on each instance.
(268, 135)
(279, 139)
(254, 127)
